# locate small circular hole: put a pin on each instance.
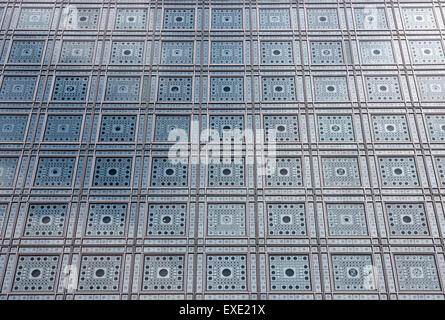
(112, 172)
(100, 273)
(46, 220)
(226, 172)
(36, 273)
(163, 272)
(106, 219)
(289, 272)
(285, 219)
(166, 219)
(226, 272)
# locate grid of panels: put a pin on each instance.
(95, 96)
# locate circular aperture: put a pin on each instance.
(278, 89)
(46, 220)
(226, 172)
(106, 219)
(406, 219)
(289, 272)
(285, 219)
(226, 89)
(283, 171)
(127, 52)
(341, 171)
(36, 273)
(163, 272)
(179, 19)
(112, 172)
(390, 127)
(276, 52)
(281, 128)
(335, 128)
(166, 219)
(100, 273)
(226, 272)
(383, 88)
(353, 272)
(169, 171)
(398, 171)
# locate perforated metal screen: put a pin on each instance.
(348, 98)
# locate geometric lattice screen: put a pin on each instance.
(222, 149)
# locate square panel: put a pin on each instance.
(398, 172)
(166, 220)
(330, 89)
(226, 172)
(169, 173)
(106, 220)
(35, 273)
(274, 19)
(227, 19)
(12, 127)
(370, 18)
(131, 19)
(289, 272)
(46, 220)
(117, 128)
(226, 273)
(419, 18)
(429, 52)
(34, 18)
(127, 52)
(326, 52)
(276, 52)
(281, 128)
(383, 88)
(321, 19)
(284, 172)
(226, 219)
(279, 89)
(163, 273)
(227, 52)
(99, 273)
(64, 128)
(417, 273)
(26, 51)
(407, 219)
(226, 128)
(286, 219)
(226, 89)
(376, 52)
(341, 172)
(15, 88)
(436, 127)
(431, 88)
(179, 19)
(77, 52)
(333, 128)
(8, 167)
(122, 89)
(390, 128)
(172, 128)
(174, 89)
(346, 219)
(82, 18)
(112, 172)
(353, 272)
(177, 52)
(70, 89)
(55, 172)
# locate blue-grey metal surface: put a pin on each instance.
(348, 98)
